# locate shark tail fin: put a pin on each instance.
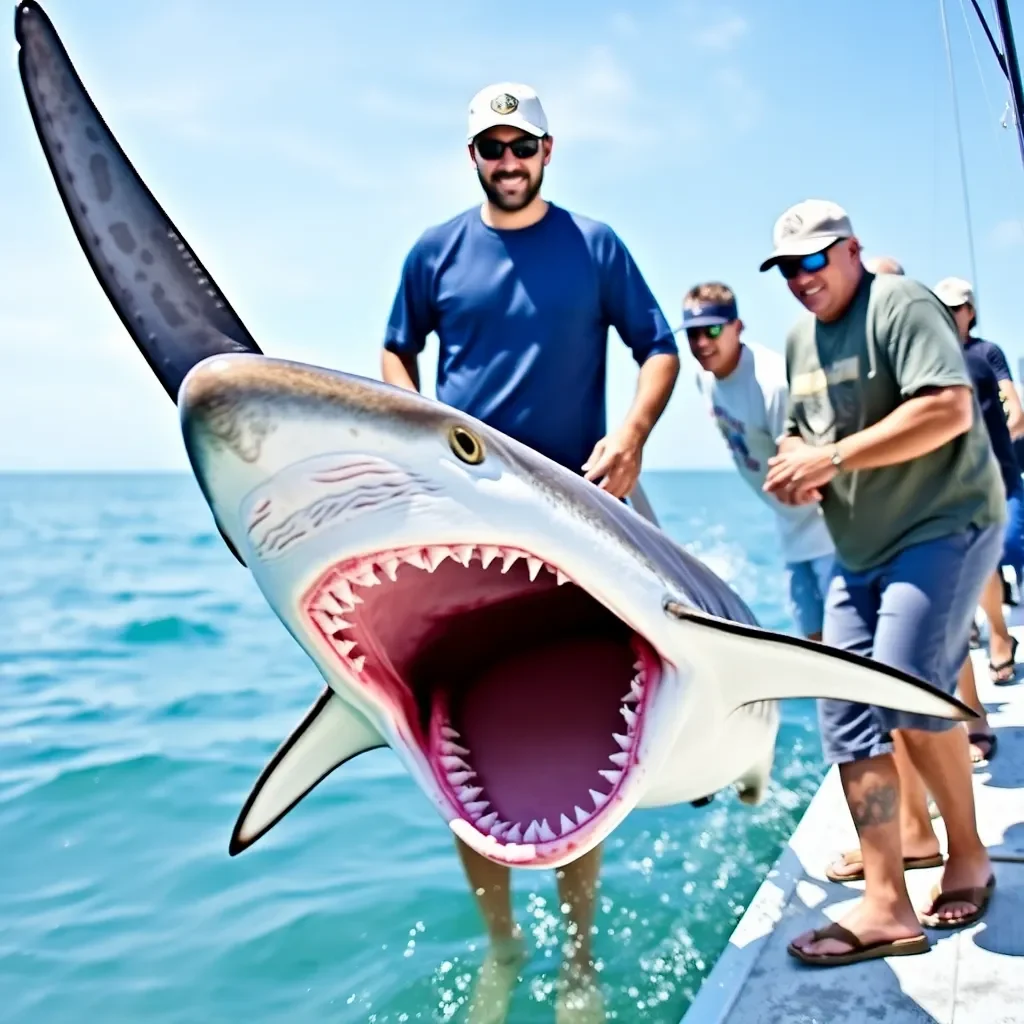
(330, 734)
(166, 299)
(763, 666)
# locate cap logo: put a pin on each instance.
(504, 104)
(792, 225)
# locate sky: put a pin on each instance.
(301, 149)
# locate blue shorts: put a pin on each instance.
(808, 586)
(1013, 543)
(914, 613)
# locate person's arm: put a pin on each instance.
(1014, 411)
(631, 308)
(401, 369)
(412, 319)
(914, 428)
(1011, 400)
(654, 386)
(928, 364)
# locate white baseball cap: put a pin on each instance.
(510, 103)
(807, 228)
(954, 291)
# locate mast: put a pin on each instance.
(1012, 68)
(1007, 61)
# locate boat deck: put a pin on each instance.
(971, 976)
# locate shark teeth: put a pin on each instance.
(334, 609)
(471, 794)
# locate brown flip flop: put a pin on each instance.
(860, 950)
(979, 896)
(990, 738)
(851, 857)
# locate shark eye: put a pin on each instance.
(466, 445)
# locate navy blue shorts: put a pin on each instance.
(1013, 546)
(914, 613)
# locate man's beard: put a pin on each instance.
(510, 203)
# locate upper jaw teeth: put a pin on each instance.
(334, 608)
(471, 798)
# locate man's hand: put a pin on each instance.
(614, 464)
(798, 472)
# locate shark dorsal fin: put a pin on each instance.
(331, 733)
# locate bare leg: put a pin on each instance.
(944, 762)
(1000, 647)
(491, 884)
(872, 789)
(580, 1000)
(917, 835)
(968, 688)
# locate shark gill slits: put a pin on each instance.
(466, 445)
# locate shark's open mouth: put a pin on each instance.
(526, 694)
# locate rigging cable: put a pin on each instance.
(1017, 222)
(960, 148)
(977, 61)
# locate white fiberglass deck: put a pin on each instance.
(971, 976)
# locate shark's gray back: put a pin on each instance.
(688, 579)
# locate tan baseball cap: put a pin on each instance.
(806, 228)
(954, 291)
(510, 103)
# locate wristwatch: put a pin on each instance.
(837, 457)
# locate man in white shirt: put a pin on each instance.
(746, 392)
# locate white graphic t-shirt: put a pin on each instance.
(749, 408)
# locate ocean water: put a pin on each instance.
(144, 683)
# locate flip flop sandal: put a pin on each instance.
(1010, 663)
(860, 950)
(983, 737)
(854, 857)
(979, 896)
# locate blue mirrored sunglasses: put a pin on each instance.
(793, 265)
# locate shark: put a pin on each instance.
(542, 659)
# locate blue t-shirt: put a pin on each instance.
(981, 364)
(522, 320)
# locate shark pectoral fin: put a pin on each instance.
(330, 734)
(761, 665)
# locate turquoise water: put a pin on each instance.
(144, 683)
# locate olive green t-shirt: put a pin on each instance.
(895, 339)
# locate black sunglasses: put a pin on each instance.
(713, 331)
(790, 266)
(494, 149)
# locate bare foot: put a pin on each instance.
(579, 999)
(495, 981)
(981, 747)
(851, 864)
(1001, 654)
(961, 873)
(869, 924)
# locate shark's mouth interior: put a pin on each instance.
(526, 694)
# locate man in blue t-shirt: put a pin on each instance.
(987, 363)
(521, 293)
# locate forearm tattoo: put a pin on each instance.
(878, 806)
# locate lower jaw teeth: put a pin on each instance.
(472, 799)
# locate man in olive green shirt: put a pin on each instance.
(884, 430)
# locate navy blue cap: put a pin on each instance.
(709, 315)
